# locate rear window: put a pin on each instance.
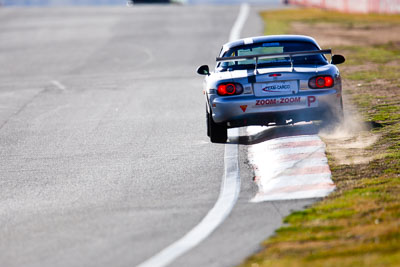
(272, 48)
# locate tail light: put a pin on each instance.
(275, 75)
(230, 89)
(320, 82)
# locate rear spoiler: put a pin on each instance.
(275, 55)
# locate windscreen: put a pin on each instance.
(272, 48)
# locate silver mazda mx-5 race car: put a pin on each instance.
(271, 80)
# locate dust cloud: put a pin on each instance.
(350, 141)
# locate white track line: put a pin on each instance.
(229, 193)
(239, 23)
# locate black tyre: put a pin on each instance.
(218, 133)
(208, 124)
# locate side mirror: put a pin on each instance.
(203, 70)
(337, 59)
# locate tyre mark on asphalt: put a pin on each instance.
(57, 84)
(16, 113)
(230, 187)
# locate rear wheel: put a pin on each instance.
(208, 124)
(218, 133)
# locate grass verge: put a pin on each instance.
(358, 224)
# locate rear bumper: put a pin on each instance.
(250, 110)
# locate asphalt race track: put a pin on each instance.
(104, 158)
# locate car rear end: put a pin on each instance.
(276, 92)
(278, 97)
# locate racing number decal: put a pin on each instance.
(310, 100)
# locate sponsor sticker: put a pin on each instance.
(271, 44)
(309, 101)
(276, 88)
